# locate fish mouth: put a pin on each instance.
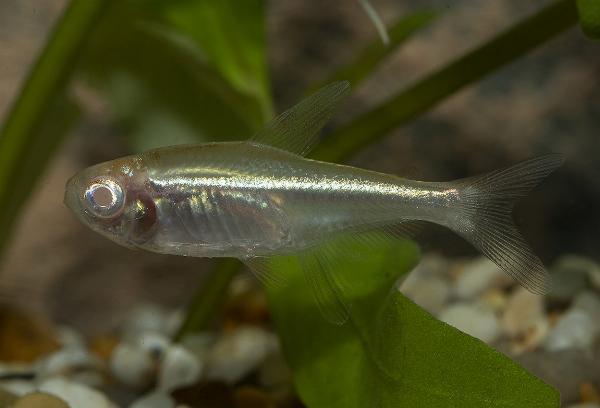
(71, 198)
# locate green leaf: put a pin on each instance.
(426, 93)
(158, 85)
(589, 17)
(232, 36)
(391, 353)
(41, 114)
(370, 57)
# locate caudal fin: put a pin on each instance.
(484, 218)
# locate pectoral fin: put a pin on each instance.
(324, 266)
(317, 274)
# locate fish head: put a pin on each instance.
(112, 199)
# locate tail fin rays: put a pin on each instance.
(485, 218)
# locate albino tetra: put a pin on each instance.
(262, 198)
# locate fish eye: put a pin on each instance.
(104, 198)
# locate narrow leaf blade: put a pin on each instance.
(589, 17)
(374, 53)
(418, 98)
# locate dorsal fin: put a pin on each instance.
(297, 129)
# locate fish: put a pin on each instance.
(262, 198)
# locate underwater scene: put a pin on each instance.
(286, 204)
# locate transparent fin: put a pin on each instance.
(322, 265)
(297, 129)
(485, 218)
(318, 274)
(328, 295)
(265, 273)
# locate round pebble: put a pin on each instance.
(69, 337)
(154, 344)
(588, 302)
(429, 293)
(522, 311)
(477, 276)
(575, 329)
(431, 265)
(474, 320)
(40, 400)
(18, 387)
(74, 362)
(156, 399)
(179, 368)
(133, 365)
(76, 395)
(569, 277)
(238, 353)
(147, 318)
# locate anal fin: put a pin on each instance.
(265, 272)
(327, 293)
(325, 266)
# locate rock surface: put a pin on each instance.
(40, 400)
(474, 320)
(76, 395)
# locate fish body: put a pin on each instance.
(241, 199)
(259, 199)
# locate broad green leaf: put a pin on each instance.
(370, 57)
(158, 86)
(391, 353)
(589, 17)
(426, 93)
(232, 35)
(41, 114)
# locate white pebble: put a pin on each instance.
(132, 365)
(236, 354)
(477, 276)
(522, 311)
(174, 321)
(69, 337)
(431, 265)
(18, 387)
(146, 318)
(588, 302)
(594, 275)
(154, 344)
(570, 275)
(76, 395)
(156, 399)
(429, 293)
(74, 362)
(575, 329)
(179, 368)
(532, 338)
(474, 320)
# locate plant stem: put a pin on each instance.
(208, 298)
(418, 98)
(25, 145)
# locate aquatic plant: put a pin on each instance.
(195, 76)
